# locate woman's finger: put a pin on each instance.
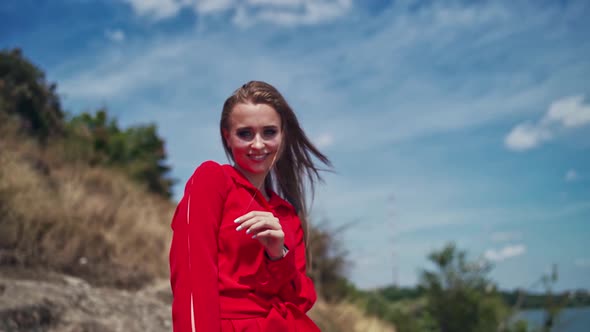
(264, 224)
(248, 223)
(252, 214)
(269, 233)
(269, 221)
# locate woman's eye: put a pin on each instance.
(271, 132)
(245, 134)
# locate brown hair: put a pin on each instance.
(294, 164)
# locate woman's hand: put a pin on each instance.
(264, 227)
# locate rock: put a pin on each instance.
(37, 317)
(72, 305)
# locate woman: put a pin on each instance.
(238, 253)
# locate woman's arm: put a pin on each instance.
(193, 252)
(287, 276)
(300, 290)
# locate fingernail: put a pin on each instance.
(239, 228)
(237, 219)
(254, 236)
(248, 231)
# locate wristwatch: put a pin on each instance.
(285, 251)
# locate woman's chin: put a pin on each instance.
(258, 169)
(255, 168)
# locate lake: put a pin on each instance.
(570, 319)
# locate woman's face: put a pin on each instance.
(254, 138)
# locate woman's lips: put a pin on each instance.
(258, 157)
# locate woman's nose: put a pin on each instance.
(258, 142)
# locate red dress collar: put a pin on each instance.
(274, 199)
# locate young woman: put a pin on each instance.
(238, 255)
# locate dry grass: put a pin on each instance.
(90, 222)
(346, 317)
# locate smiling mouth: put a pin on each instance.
(258, 157)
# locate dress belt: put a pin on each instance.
(280, 315)
(287, 317)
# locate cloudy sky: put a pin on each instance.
(446, 120)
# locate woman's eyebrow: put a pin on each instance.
(251, 128)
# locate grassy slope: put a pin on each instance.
(89, 222)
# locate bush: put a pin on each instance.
(24, 92)
(138, 150)
(328, 265)
(460, 297)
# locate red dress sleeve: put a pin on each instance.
(287, 276)
(193, 252)
(300, 291)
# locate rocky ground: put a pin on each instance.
(53, 302)
(45, 301)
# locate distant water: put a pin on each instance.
(569, 320)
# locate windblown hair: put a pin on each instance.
(294, 165)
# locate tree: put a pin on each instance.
(25, 93)
(328, 264)
(137, 150)
(460, 296)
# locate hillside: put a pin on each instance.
(86, 221)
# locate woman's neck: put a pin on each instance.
(257, 180)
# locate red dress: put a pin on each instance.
(221, 278)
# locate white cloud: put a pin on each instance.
(582, 262)
(157, 9)
(205, 7)
(570, 112)
(526, 136)
(325, 140)
(120, 76)
(563, 114)
(505, 236)
(505, 253)
(115, 35)
(290, 13)
(316, 74)
(571, 175)
(249, 12)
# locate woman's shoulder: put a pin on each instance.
(208, 166)
(210, 177)
(209, 171)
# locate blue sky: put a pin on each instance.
(446, 120)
